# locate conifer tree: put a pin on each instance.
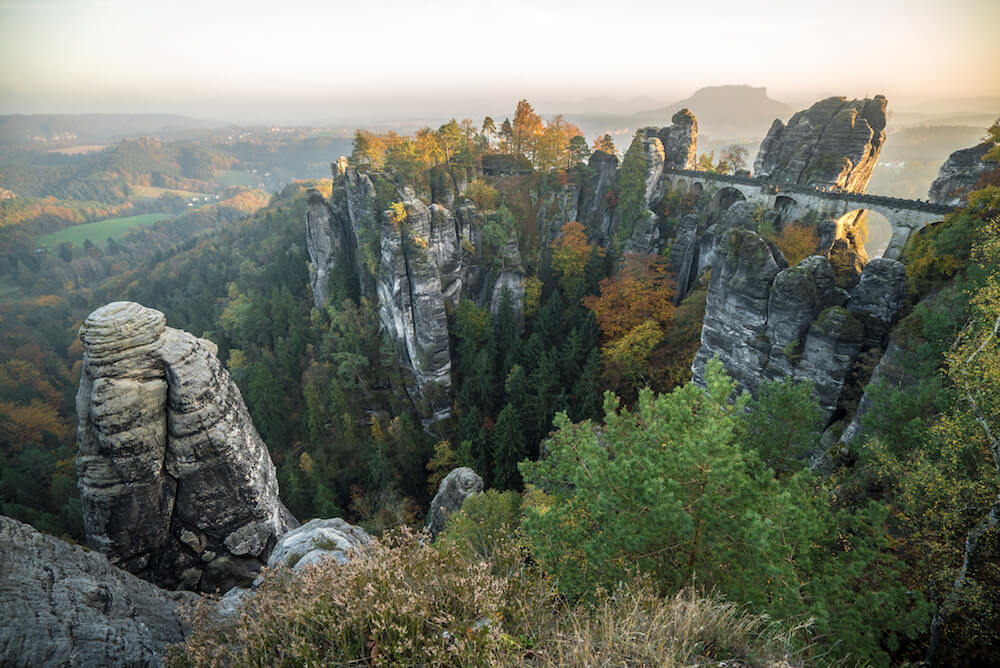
(508, 449)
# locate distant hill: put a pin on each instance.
(724, 111)
(94, 128)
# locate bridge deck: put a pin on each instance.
(860, 198)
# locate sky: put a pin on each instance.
(296, 60)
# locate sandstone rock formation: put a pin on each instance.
(766, 321)
(316, 541)
(176, 484)
(411, 301)
(960, 174)
(456, 487)
(414, 268)
(835, 143)
(61, 605)
(680, 141)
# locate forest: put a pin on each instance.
(605, 464)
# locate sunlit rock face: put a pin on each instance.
(834, 143)
(680, 141)
(767, 321)
(960, 174)
(175, 482)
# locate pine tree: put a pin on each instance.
(508, 449)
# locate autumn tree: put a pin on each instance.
(526, 128)
(641, 291)
(797, 242)
(607, 144)
(570, 254)
(734, 157)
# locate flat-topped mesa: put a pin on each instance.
(176, 484)
(835, 143)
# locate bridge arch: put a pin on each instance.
(726, 197)
(783, 203)
(868, 227)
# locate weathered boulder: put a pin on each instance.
(835, 143)
(176, 484)
(62, 605)
(315, 541)
(831, 347)
(456, 487)
(960, 174)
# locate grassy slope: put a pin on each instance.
(99, 231)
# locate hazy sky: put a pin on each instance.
(291, 59)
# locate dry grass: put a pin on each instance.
(404, 603)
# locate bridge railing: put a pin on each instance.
(883, 200)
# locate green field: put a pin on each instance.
(153, 191)
(99, 231)
(236, 177)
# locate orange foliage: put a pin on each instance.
(26, 424)
(797, 242)
(642, 291)
(570, 253)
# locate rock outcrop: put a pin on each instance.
(175, 482)
(456, 487)
(415, 266)
(62, 605)
(960, 174)
(835, 143)
(411, 301)
(316, 541)
(680, 141)
(766, 321)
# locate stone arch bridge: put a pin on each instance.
(906, 216)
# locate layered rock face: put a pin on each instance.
(61, 605)
(766, 321)
(414, 267)
(835, 143)
(456, 487)
(960, 174)
(411, 300)
(175, 482)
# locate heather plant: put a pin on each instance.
(398, 602)
(402, 602)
